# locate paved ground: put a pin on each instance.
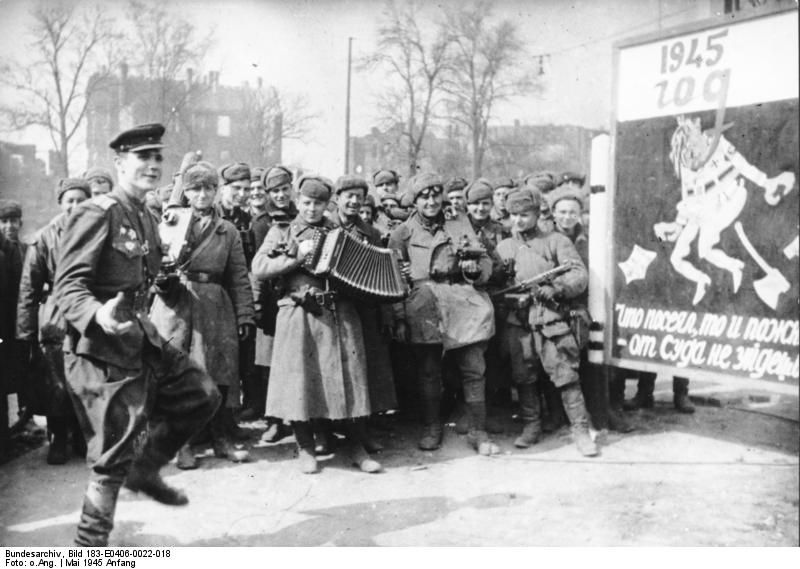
(727, 475)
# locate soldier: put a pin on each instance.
(350, 194)
(210, 309)
(543, 181)
(454, 193)
(604, 404)
(445, 312)
(13, 352)
(123, 373)
(574, 182)
(385, 222)
(280, 212)
(100, 180)
(234, 198)
(45, 335)
(318, 365)
(258, 194)
(539, 332)
(254, 391)
(368, 212)
(5, 316)
(502, 186)
(479, 196)
(387, 182)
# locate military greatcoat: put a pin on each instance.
(318, 364)
(214, 299)
(39, 321)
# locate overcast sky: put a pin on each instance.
(301, 46)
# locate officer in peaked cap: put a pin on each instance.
(115, 360)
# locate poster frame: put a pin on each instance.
(611, 182)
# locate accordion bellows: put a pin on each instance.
(358, 268)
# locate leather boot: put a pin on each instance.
(529, 410)
(57, 452)
(144, 477)
(186, 458)
(97, 516)
(680, 395)
(579, 419)
(644, 393)
(304, 435)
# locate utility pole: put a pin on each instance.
(347, 108)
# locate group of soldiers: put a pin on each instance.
(139, 357)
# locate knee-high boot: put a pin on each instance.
(530, 412)
(144, 477)
(99, 504)
(575, 408)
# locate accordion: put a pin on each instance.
(355, 267)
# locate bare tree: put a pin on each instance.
(414, 67)
(163, 48)
(272, 116)
(72, 54)
(487, 69)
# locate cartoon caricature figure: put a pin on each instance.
(713, 194)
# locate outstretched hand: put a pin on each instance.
(109, 317)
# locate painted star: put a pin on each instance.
(636, 265)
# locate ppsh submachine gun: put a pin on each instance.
(527, 286)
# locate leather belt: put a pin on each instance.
(205, 278)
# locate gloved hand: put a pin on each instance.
(545, 293)
(246, 331)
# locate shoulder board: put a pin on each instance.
(104, 201)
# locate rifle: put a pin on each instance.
(533, 281)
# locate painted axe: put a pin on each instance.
(770, 287)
